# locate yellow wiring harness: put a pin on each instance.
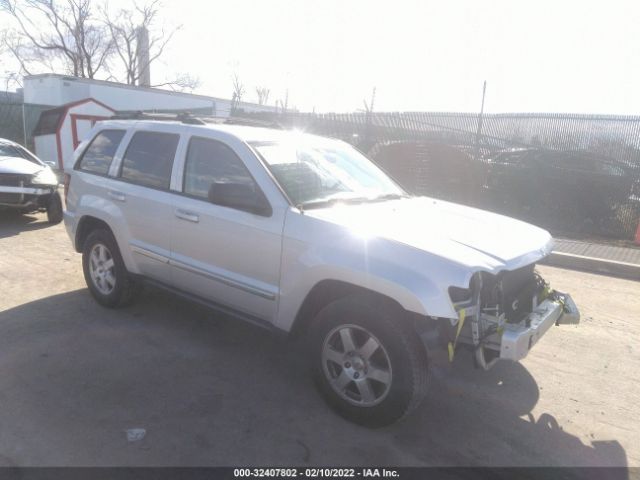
(452, 345)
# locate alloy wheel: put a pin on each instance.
(102, 269)
(357, 365)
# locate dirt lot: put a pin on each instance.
(74, 377)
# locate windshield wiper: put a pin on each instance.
(389, 196)
(330, 201)
(327, 202)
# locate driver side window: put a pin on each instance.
(209, 161)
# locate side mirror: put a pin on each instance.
(51, 164)
(239, 196)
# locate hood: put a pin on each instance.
(465, 235)
(18, 166)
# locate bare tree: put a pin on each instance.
(238, 91)
(60, 33)
(136, 53)
(70, 36)
(238, 87)
(263, 95)
(181, 83)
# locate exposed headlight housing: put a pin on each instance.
(458, 294)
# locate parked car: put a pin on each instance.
(27, 184)
(572, 187)
(304, 235)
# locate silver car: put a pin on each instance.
(27, 184)
(304, 235)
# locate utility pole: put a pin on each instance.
(368, 108)
(142, 52)
(479, 131)
(24, 124)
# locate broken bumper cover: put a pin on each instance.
(518, 339)
(26, 190)
(19, 197)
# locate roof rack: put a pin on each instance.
(253, 122)
(188, 118)
(167, 117)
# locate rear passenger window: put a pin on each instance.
(209, 162)
(97, 158)
(149, 159)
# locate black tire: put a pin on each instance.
(54, 209)
(403, 351)
(126, 287)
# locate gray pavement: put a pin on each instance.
(207, 390)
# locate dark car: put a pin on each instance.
(574, 187)
(27, 184)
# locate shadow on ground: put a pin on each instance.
(74, 377)
(13, 223)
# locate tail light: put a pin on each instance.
(67, 181)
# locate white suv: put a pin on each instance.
(303, 234)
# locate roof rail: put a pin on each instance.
(167, 117)
(188, 118)
(253, 122)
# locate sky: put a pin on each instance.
(536, 56)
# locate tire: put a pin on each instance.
(370, 385)
(104, 271)
(54, 209)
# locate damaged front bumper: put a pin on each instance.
(494, 334)
(22, 196)
(517, 339)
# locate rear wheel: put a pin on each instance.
(104, 271)
(54, 209)
(367, 361)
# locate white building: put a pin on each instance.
(57, 90)
(77, 103)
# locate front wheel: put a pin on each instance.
(105, 272)
(54, 209)
(368, 363)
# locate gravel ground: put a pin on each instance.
(76, 380)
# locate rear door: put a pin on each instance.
(142, 193)
(224, 254)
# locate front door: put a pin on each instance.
(227, 255)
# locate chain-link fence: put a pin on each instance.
(18, 120)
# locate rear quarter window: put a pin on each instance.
(98, 156)
(149, 159)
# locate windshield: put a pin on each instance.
(7, 150)
(314, 173)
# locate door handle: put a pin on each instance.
(188, 216)
(119, 196)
